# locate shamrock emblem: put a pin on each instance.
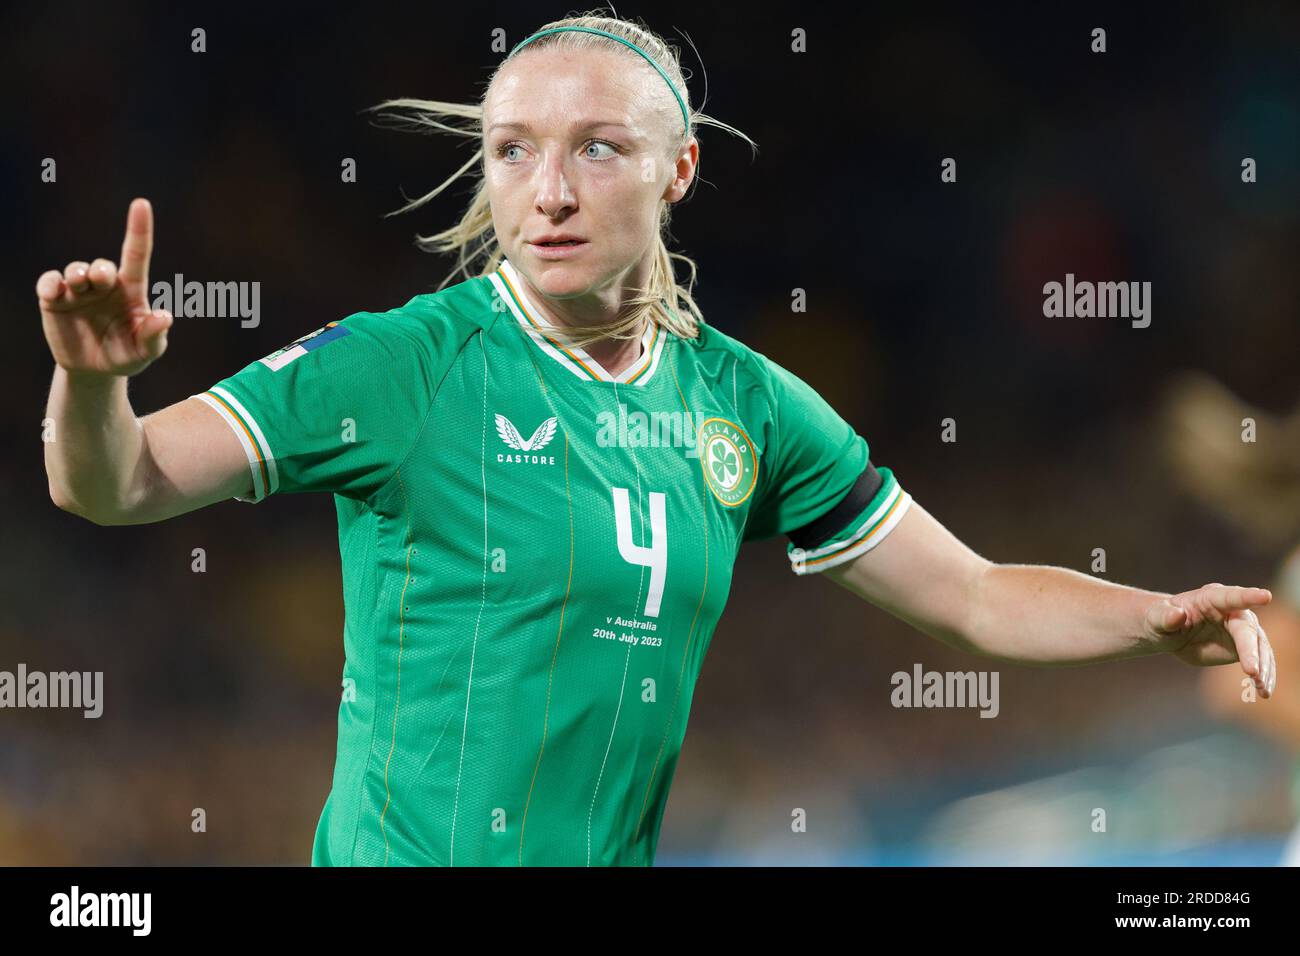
(726, 465)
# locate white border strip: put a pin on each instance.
(535, 335)
(598, 371)
(259, 492)
(800, 561)
(651, 360)
(271, 470)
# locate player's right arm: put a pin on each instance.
(104, 463)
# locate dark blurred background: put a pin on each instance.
(924, 303)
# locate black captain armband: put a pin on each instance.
(858, 497)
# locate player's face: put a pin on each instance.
(578, 145)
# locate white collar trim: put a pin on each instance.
(550, 340)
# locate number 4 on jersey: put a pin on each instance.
(654, 557)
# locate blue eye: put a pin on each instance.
(503, 151)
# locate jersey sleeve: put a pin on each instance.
(817, 484)
(336, 410)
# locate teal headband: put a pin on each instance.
(627, 43)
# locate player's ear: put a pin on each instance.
(686, 160)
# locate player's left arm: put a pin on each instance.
(1038, 614)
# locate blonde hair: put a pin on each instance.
(473, 240)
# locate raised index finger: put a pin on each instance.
(1238, 598)
(138, 244)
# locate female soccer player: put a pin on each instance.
(542, 475)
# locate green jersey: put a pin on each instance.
(535, 554)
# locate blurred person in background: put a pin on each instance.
(1255, 485)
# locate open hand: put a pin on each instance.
(1214, 624)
